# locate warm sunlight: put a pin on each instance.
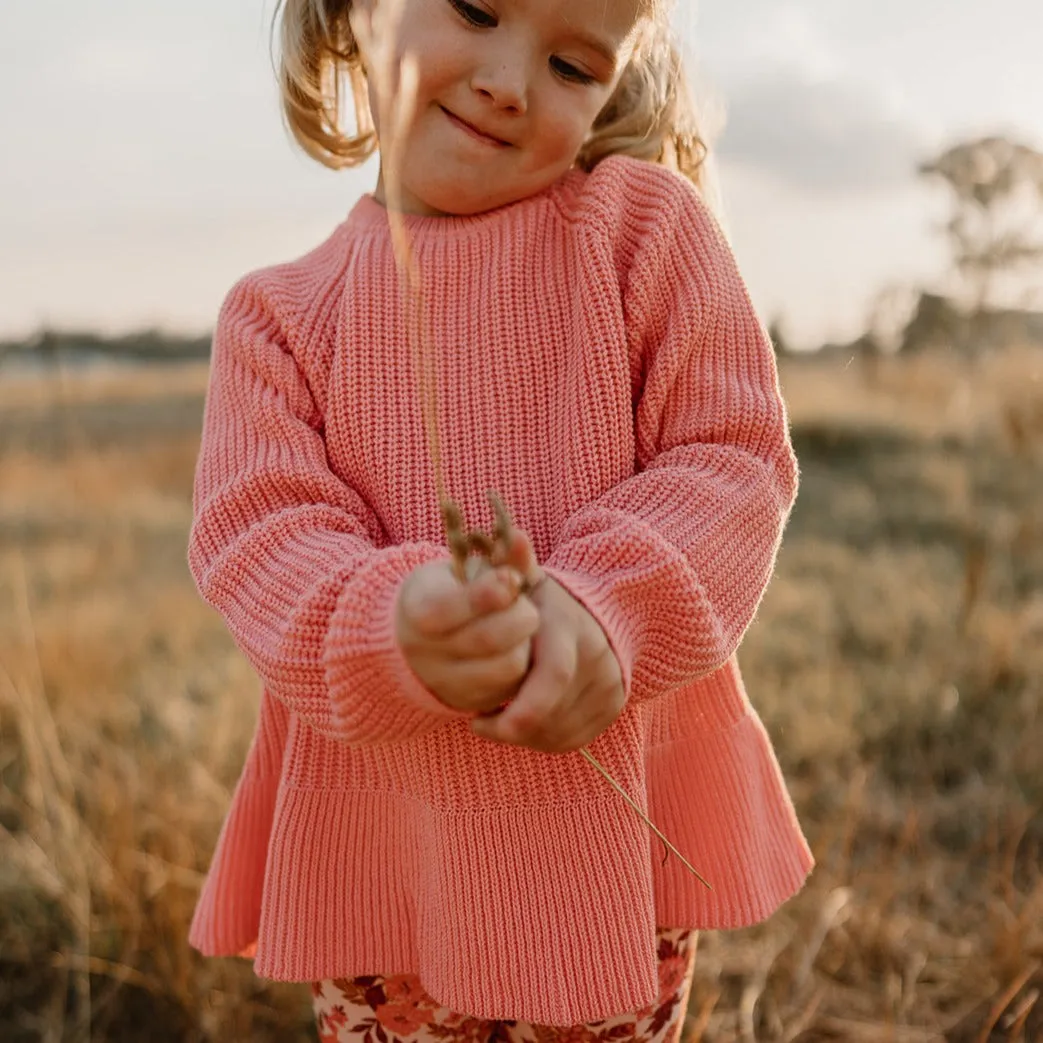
(169, 138)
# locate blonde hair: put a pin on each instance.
(650, 115)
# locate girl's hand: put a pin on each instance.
(574, 690)
(470, 644)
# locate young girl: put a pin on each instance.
(415, 831)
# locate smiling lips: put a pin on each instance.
(474, 132)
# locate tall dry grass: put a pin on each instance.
(897, 660)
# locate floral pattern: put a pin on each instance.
(396, 1009)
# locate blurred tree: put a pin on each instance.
(997, 207)
(779, 339)
(890, 315)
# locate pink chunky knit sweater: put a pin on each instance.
(600, 364)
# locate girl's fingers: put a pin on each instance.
(437, 604)
(521, 556)
(494, 633)
(594, 713)
(518, 553)
(573, 727)
(482, 683)
(493, 590)
(442, 604)
(544, 695)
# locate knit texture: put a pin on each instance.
(600, 364)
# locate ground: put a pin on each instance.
(897, 661)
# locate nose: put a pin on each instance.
(504, 82)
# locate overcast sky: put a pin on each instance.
(143, 165)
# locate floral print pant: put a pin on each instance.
(398, 1010)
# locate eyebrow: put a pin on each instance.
(598, 44)
(595, 43)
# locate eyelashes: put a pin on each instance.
(568, 71)
(482, 19)
(475, 15)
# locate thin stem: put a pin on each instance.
(647, 821)
(396, 88)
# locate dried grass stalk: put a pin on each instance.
(396, 86)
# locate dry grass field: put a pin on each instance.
(897, 661)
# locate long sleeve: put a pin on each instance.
(673, 562)
(287, 553)
(595, 358)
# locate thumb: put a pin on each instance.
(519, 555)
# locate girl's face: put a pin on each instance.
(508, 91)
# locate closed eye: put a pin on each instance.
(474, 15)
(568, 71)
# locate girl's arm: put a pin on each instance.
(674, 561)
(287, 553)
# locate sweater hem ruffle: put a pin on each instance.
(539, 914)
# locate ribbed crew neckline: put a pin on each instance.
(368, 214)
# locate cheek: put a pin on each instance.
(565, 130)
(442, 56)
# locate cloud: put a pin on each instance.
(819, 133)
(730, 37)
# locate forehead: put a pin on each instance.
(612, 21)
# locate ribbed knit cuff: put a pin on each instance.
(596, 597)
(376, 695)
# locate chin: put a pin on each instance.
(464, 191)
(457, 200)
